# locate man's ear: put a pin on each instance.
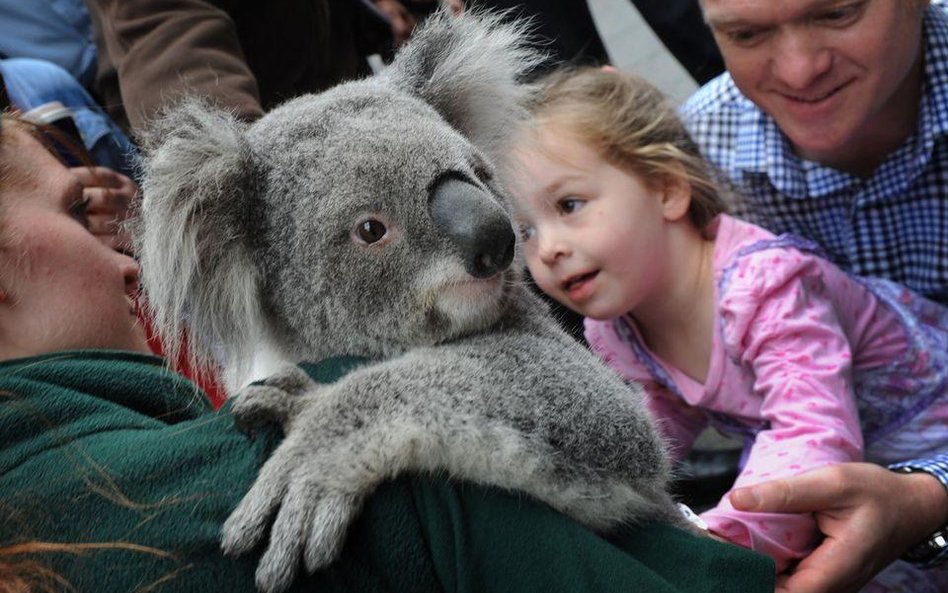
(676, 196)
(193, 229)
(470, 69)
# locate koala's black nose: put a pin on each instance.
(475, 223)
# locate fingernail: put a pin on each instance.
(745, 498)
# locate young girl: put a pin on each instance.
(723, 322)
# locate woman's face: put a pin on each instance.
(63, 288)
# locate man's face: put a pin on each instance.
(834, 74)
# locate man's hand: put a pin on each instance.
(869, 515)
(456, 6)
(403, 22)
(110, 195)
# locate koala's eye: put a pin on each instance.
(371, 230)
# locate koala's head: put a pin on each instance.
(364, 220)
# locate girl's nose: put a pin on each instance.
(551, 247)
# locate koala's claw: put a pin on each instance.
(330, 523)
(258, 404)
(275, 400)
(280, 562)
(310, 525)
(246, 527)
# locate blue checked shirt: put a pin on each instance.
(894, 225)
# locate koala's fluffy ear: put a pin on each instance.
(192, 232)
(470, 69)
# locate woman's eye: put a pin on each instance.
(371, 231)
(570, 205)
(78, 211)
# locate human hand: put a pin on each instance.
(110, 195)
(402, 21)
(456, 6)
(869, 515)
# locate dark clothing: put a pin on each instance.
(245, 56)
(565, 29)
(112, 447)
(680, 26)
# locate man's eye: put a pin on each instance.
(745, 37)
(841, 16)
(78, 211)
(570, 205)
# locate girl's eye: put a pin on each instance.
(371, 231)
(78, 211)
(570, 205)
(527, 232)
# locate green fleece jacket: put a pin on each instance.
(111, 448)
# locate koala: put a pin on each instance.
(371, 220)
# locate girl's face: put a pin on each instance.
(63, 288)
(595, 236)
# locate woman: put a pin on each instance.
(115, 475)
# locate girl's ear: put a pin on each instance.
(676, 197)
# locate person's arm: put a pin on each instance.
(160, 51)
(870, 516)
(782, 327)
(483, 539)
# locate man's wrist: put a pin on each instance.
(933, 550)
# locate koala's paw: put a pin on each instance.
(277, 399)
(311, 518)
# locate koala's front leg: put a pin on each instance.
(341, 444)
(310, 513)
(341, 441)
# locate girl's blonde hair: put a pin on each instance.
(632, 125)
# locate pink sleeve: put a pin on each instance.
(677, 421)
(782, 328)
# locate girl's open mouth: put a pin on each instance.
(575, 284)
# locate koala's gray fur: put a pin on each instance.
(251, 235)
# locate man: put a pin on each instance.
(832, 123)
